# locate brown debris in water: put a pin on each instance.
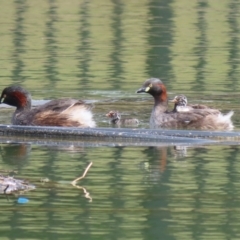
(74, 183)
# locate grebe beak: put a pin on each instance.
(140, 90)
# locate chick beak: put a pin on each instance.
(172, 100)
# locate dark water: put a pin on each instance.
(102, 51)
(134, 192)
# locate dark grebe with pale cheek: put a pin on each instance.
(197, 118)
(17, 97)
(60, 112)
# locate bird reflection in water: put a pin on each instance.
(180, 152)
(15, 154)
(158, 160)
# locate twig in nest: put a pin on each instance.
(74, 182)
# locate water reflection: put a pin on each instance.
(116, 68)
(84, 48)
(157, 160)
(51, 45)
(155, 189)
(192, 193)
(160, 38)
(233, 45)
(19, 38)
(201, 47)
(15, 154)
